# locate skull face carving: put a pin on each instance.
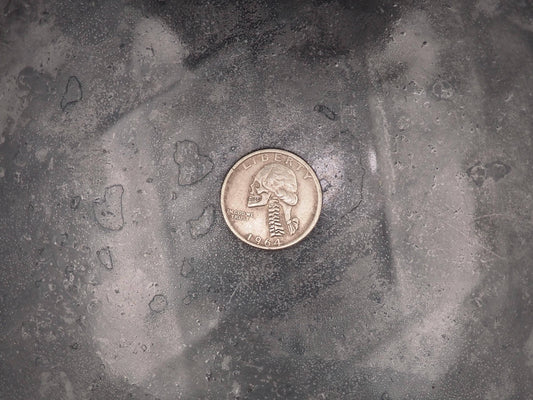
(275, 185)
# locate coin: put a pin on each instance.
(271, 199)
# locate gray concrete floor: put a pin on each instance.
(118, 276)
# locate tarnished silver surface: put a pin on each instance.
(271, 199)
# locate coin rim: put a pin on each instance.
(315, 179)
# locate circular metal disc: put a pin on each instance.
(271, 199)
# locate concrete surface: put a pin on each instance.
(118, 276)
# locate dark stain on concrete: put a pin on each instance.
(480, 173)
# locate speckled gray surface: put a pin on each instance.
(118, 276)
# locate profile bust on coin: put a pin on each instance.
(271, 199)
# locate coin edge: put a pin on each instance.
(315, 179)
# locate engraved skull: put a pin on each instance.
(276, 185)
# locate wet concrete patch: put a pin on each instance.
(73, 93)
(108, 210)
(158, 303)
(193, 166)
(105, 257)
(202, 225)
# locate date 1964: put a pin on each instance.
(264, 242)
